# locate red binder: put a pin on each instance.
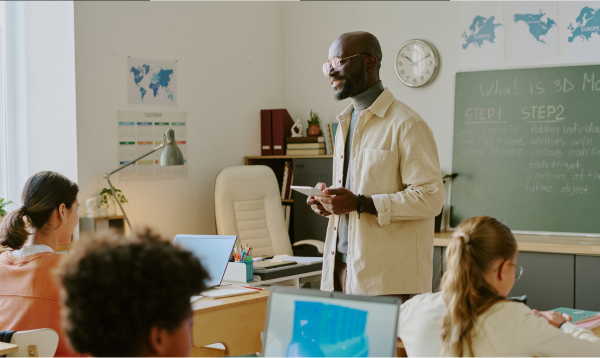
(266, 147)
(282, 123)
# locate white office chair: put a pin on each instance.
(248, 204)
(35, 343)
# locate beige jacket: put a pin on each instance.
(394, 161)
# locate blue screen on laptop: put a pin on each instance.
(213, 251)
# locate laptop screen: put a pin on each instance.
(302, 323)
(213, 251)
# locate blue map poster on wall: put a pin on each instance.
(151, 82)
(482, 34)
(534, 26)
(583, 31)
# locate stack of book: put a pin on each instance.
(286, 191)
(586, 319)
(331, 129)
(305, 146)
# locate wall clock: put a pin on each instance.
(417, 63)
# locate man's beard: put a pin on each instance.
(353, 85)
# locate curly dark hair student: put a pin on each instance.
(116, 289)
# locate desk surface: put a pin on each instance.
(8, 348)
(208, 304)
(61, 247)
(578, 245)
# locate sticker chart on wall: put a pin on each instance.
(141, 131)
(151, 82)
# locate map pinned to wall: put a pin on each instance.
(151, 82)
(583, 31)
(482, 34)
(534, 32)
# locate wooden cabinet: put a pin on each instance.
(587, 285)
(309, 172)
(548, 280)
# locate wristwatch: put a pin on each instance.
(360, 204)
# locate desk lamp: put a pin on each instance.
(171, 155)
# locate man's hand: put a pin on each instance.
(553, 317)
(342, 202)
(315, 205)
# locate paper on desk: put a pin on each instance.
(195, 298)
(299, 259)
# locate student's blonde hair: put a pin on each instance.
(475, 245)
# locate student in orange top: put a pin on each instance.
(29, 295)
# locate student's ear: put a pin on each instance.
(63, 213)
(158, 341)
(503, 272)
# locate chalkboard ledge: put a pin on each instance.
(577, 245)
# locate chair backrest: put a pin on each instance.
(45, 341)
(248, 204)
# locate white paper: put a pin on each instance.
(195, 298)
(151, 82)
(298, 259)
(138, 132)
(582, 23)
(482, 33)
(534, 28)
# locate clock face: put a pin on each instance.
(416, 63)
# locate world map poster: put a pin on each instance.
(482, 34)
(582, 23)
(151, 82)
(534, 28)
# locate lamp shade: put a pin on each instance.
(171, 154)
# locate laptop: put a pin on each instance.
(214, 252)
(330, 324)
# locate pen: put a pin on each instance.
(254, 288)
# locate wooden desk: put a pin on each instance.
(7, 348)
(61, 247)
(236, 322)
(576, 245)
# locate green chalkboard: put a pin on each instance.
(527, 148)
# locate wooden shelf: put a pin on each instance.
(286, 157)
(577, 245)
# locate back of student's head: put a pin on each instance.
(116, 289)
(44, 192)
(476, 244)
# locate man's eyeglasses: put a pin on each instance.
(336, 63)
(518, 270)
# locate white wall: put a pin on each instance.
(50, 66)
(310, 27)
(236, 58)
(230, 67)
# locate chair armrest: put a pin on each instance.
(320, 245)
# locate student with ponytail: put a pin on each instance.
(29, 297)
(471, 316)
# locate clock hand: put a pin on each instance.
(403, 55)
(423, 58)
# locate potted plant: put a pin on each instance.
(2, 208)
(314, 125)
(438, 219)
(106, 198)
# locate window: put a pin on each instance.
(13, 109)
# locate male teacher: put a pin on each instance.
(387, 185)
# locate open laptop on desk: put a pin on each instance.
(329, 324)
(214, 252)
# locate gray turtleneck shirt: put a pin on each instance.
(360, 102)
